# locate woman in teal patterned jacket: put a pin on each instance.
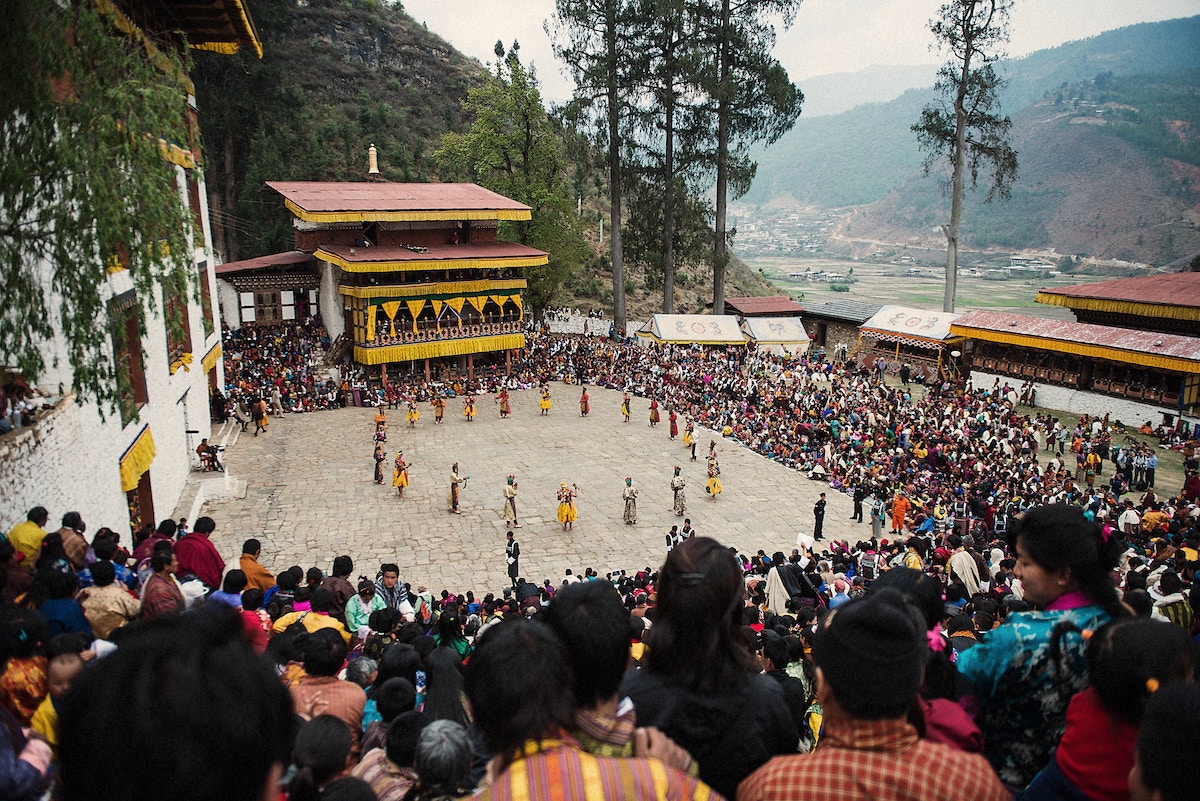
(1065, 563)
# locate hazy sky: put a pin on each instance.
(828, 35)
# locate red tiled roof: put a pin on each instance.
(774, 304)
(1170, 289)
(1086, 334)
(272, 260)
(329, 196)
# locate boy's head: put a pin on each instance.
(62, 671)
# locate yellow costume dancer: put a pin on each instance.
(414, 414)
(469, 408)
(400, 473)
(625, 407)
(688, 428)
(545, 403)
(713, 487)
(566, 505)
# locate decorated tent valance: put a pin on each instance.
(136, 459)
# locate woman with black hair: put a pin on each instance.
(444, 687)
(1064, 563)
(699, 682)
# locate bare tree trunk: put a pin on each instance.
(720, 257)
(614, 171)
(669, 203)
(957, 187)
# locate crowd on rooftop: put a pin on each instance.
(1023, 626)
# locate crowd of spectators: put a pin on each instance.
(278, 364)
(717, 672)
(1022, 626)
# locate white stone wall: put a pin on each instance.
(70, 459)
(54, 463)
(1080, 402)
(230, 303)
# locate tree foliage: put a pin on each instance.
(84, 186)
(964, 127)
(513, 148)
(592, 38)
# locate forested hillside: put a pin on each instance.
(1106, 134)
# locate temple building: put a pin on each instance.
(1134, 351)
(412, 277)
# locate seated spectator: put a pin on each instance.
(518, 682)
(1064, 563)
(389, 770)
(26, 537)
(257, 576)
(1128, 661)
(256, 625)
(359, 608)
(869, 661)
(17, 579)
(699, 682)
(320, 691)
(442, 763)
(393, 698)
(61, 673)
(196, 695)
(1164, 767)
(593, 625)
(107, 605)
(198, 557)
(230, 593)
(23, 682)
(106, 549)
(161, 595)
(383, 624)
(315, 620)
(443, 692)
(320, 756)
(53, 595)
(75, 545)
(24, 760)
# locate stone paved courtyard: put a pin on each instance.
(310, 492)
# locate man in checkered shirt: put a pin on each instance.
(870, 659)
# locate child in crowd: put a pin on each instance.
(1128, 661)
(62, 671)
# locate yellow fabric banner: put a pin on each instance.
(210, 358)
(414, 308)
(136, 460)
(371, 323)
(478, 302)
(456, 304)
(437, 307)
(431, 350)
(498, 300)
(517, 300)
(390, 308)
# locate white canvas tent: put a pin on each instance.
(901, 324)
(777, 334)
(703, 329)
